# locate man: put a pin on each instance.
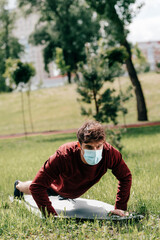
(77, 166)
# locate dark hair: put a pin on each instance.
(91, 131)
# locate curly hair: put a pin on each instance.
(91, 131)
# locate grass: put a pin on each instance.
(21, 159)
(57, 108)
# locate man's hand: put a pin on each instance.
(119, 212)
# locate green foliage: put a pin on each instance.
(9, 45)
(158, 64)
(139, 60)
(117, 54)
(60, 62)
(118, 13)
(114, 137)
(110, 105)
(158, 67)
(3, 86)
(18, 72)
(101, 67)
(23, 73)
(67, 25)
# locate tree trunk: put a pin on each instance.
(95, 101)
(69, 77)
(117, 29)
(121, 37)
(141, 105)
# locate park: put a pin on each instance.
(22, 158)
(105, 83)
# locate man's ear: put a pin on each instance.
(79, 145)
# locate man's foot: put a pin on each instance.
(62, 198)
(17, 193)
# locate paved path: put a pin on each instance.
(52, 132)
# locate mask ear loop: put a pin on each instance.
(82, 158)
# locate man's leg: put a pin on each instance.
(21, 187)
(24, 187)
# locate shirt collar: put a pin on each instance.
(107, 146)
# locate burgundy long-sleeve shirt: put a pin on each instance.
(70, 177)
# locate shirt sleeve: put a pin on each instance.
(42, 181)
(123, 174)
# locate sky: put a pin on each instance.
(145, 26)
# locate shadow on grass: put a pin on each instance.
(143, 131)
(56, 138)
(130, 133)
(115, 226)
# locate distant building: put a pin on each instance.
(151, 51)
(24, 27)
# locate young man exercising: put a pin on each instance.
(77, 166)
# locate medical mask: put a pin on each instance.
(92, 157)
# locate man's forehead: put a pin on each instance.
(93, 143)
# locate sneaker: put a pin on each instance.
(62, 198)
(17, 193)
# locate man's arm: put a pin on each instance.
(123, 174)
(42, 182)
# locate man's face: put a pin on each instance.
(90, 146)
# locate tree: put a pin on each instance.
(9, 45)
(18, 74)
(119, 14)
(66, 25)
(158, 67)
(99, 69)
(105, 104)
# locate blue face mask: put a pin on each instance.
(92, 157)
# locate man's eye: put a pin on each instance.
(90, 148)
(99, 146)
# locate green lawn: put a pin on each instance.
(57, 108)
(21, 159)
